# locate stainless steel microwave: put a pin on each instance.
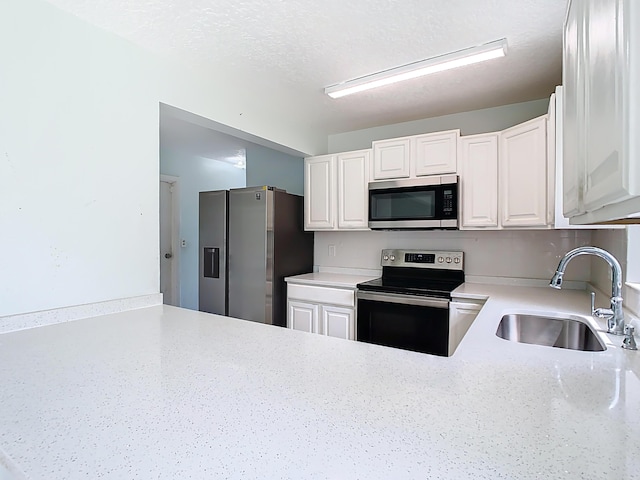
(426, 203)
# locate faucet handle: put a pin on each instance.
(629, 342)
(605, 313)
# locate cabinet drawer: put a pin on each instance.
(333, 296)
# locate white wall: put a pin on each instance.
(625, 246)
(79, 154)
(196, 174)
(78, 160)
(469, 123)
(512, 254)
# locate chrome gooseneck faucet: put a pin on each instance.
(614, 316)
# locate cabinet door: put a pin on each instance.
(461, 316)
(319, 193)
(338, 322)
(353, 194)
(436, 153)
(606, 178)
(302, 316)
(573, 111)
(391, 158)
(523, 174)
(479, 180)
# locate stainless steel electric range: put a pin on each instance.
(408, 307)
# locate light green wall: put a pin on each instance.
(269, 167)
(196, 174)
(469, 123)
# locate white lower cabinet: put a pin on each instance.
(303, 316)
(337, 322)
(324, 310)
(462, 313)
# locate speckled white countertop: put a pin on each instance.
(167, 393)
(326, 279)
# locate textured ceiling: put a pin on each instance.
(298, 47)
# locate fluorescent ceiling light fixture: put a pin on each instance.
(447, 61)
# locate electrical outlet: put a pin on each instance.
(332, 250)
(183, 243)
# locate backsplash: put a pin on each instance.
(615, 242)
(512, 254)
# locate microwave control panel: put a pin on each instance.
(448, 203)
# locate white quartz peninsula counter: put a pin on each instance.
(163, 392)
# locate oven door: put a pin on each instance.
(409, 322)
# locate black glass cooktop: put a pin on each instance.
(410, 281)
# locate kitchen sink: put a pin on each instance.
(560, 332)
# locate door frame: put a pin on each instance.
(174, 182)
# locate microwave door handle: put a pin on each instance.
(404, 299)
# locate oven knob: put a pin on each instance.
(440, 259)
(456, 260)
(392, 257)
(448, 259)
(385, 257)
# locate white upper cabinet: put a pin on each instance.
(506, 180)
(353, 194)
(416, 156)
(602, 106)
(523, 174)
(573, 112)
(479, 180)
(336, 191)
(391, 158)
(319, 193)
(605, 179)
(555, 136)
(436, 153)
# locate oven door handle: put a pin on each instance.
(403, 299)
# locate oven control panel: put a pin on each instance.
(422, 259)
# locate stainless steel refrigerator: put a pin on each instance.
(250, 240)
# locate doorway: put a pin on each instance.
(169, 232)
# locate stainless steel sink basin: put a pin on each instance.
(549, 331)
